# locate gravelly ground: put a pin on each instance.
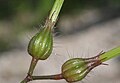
(14, 64)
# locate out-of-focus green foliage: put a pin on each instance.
(4, 46)
(10, 8)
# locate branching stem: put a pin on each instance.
(50, 22)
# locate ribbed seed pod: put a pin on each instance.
(74, 70)
(41, 45)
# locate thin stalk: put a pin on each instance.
(31, 69)
(110, 54)
(48, 77)
(32, 66)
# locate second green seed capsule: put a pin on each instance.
(74, 70)
(77, 69)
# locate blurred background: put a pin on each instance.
(84, 28)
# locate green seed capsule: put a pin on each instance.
(74, 70)
(41, 45)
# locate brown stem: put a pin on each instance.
(48, 77)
